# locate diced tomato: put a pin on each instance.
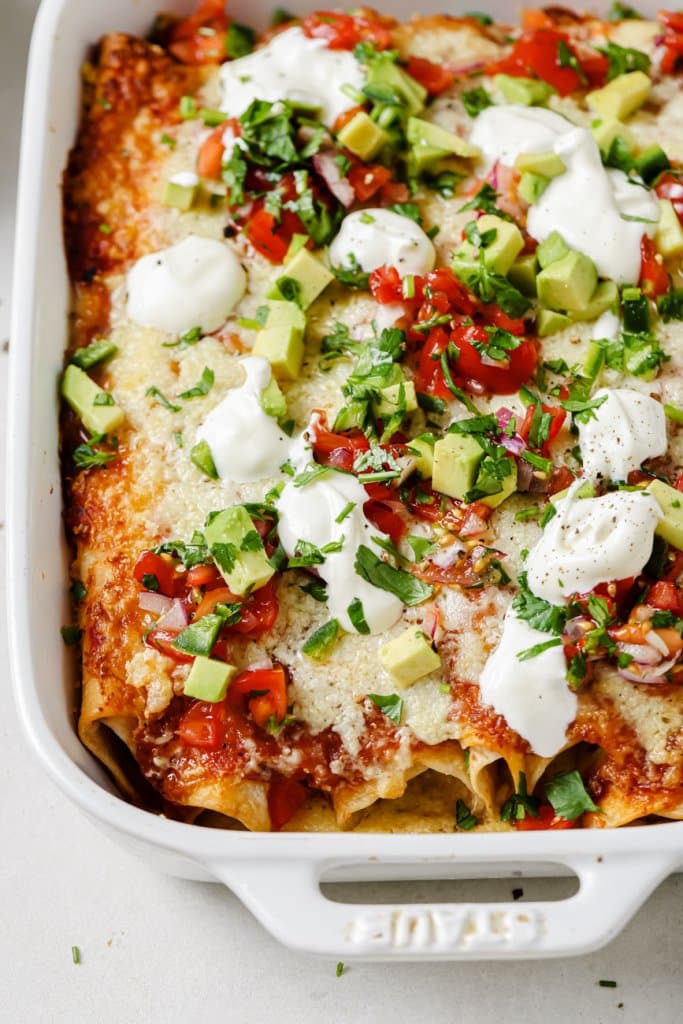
(270, 238)
(394, 192)
(367, 179)
(202, 726)
(538, 54)
(259, 613)
(532, 19)
(338, 450)
(672, 20)
(247, 687)
(672, 42)
(345, 117)
(219, 595)
(200, 39)
(386, 285)
(500, 379)
(670, 187)
(344, 31)
(429, 378)
(547, 818)
(285, 797)
(435, 78)
(210, 159)
(203, 576)
(561, 479)
(162, 569)
(163, 640)
(679, 482)
(654, 279)
(666, 596)
(386, 520)
(557, 416)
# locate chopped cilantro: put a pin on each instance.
(201, 388)
(319, 643)
(568, 795)
(476, 100)
(404, 585)
(623, 60)
(391, 705)
(539, 613)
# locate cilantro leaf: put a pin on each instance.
(201, 388)
(568, 795)
(520, 804)
(476, 100)
(539, 613)
(464, 818)
(391, 705)
(623, 60)
(406, 587)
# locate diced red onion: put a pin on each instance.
(643, 654)
(447, 556)
(515, 444)
(328, 169)
(175, 618)
(649, 676)
(525, 476)
(157, 604)
(654, 640)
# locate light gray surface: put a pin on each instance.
(155, 948)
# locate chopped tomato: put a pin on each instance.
(557, 418)
(500, 379)
(672, 20)
(338, 450)
(429, 378)
(665, 596)
(158, 568)
(546, 53)
(654, 279)
(532, 20)
(386, 285)
(561, 479)
(670, 187)
(268, 237)
(433, 77)
(264, 690)
(202, 725)
(367, 179)
(210, 159)
(345, 117)
(203, 576)
(285, 797)
(163, 640)
(672, 42)
(259, 613)
(344, 31)
(220, 595)
(394, 192)
(547, 818)
(386, 520)
(200, 39)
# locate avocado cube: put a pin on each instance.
(456, 461)
(208, 679)
(180, 196)
(532, 186)
(669, 236)
(395, 398)
(409, 657)
(82, 393)
(425, 134)
(273, 401)
(528, 92)
(621, 97)
(282, 313)
(386, 74)
(310, 277)
(237, 550)
(547, 164)
(568, 283)
(362, 136)
(605, 296)
(499, 254)
(422, 450)
(606, 130)
(522, 274)
(549, 321)
(281, 341)
(509, 486)
(553, 249)
(670, 526)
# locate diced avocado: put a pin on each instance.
(362, 136)
(669, 236)
(502, 251)
(594, 361)
(548, 164)
(81, 393)
(203, 459)
(281, 341)
(529, 92)
(180, 196)
(310, 277)
(586, 490)
(549, 321)
(208, 679)
(605, 296)
(651, 162)
(422, 449)
(237, 550)
(553, 249)
(273, 401)
(409, 657)
(456, 461)
(671, 524)
(532, 186)
(607, 129)
(621, 97)
(522, 274)
(568, 283)
(392, 401)
(386, 74)
(509, 486)
(424, 134)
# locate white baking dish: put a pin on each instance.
(277, 876)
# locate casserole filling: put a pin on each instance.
(372, 418)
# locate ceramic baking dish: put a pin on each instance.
(277, 876)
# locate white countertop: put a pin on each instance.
(158, 949)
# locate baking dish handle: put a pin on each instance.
(286, 899)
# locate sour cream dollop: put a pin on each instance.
(310, 513)
(626, 429)
(246, 444)
(196, 283)
(592, 540)
(587, 204)
(292, 67)
(531, 695)
(377, 237)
